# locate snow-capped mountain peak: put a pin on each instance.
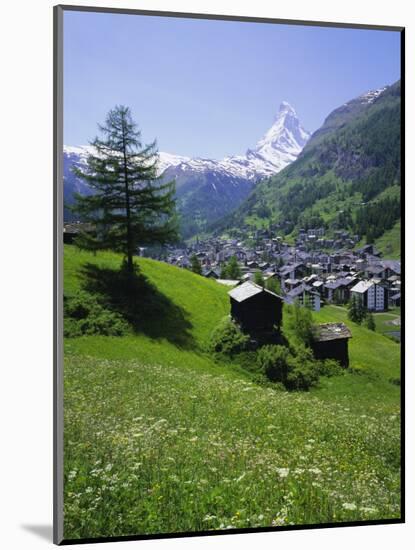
(283, 142)
(279, 146)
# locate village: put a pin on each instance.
(313, 271)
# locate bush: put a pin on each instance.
(273, 362)
(85, 315)
(228, 339)
(330, 367)
(296, 370)
(303, 370)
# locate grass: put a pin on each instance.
(389, 244)
(161, 438)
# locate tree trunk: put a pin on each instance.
(130, 251)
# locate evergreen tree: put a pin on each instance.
(356, 310)
(352, 313)
(231, 270)
(273, 285)
(370, 322)
(195, 264)
(302, 323)
(361, 310)
(130, 206)
(224, 272)
(259, 279)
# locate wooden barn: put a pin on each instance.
(331, 341)
(255, 308)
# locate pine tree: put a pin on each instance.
(352, 313)
(361, 310)
(259, 279)
(356, 310)
(224, 272)
(233, 271)
(130, 205)
(195, 264)
(273, 285)
(370, 322)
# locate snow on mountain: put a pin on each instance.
(279, 146)
(369, 97)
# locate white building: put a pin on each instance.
(374, 296)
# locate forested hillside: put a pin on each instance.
(347, 177)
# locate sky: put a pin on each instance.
(207, 88)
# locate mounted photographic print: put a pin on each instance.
(228, 282)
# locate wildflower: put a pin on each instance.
(349, 506)
(283, 472)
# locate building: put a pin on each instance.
(305, 295)
(255, 308)
(373, 296)
(331, 341)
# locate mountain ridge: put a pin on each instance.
(207, 189)
(346, 177)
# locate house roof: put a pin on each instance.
(247, 290)
(334, 284)
(298, 290)
(331, 331)
(317, 284)
(362, 286)
(375, 269)
(394, 265)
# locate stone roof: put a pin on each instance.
(331, 331)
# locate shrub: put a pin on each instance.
(85, 315)
(228, 339)
(273, 362)
(303, 370)
(330, 367)
(296, 370)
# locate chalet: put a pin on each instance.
(305, 295)
(255, 308)
(72, 230)
(331, 342)
(373, 296)
(211, 273)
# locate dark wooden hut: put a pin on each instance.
(331, 342)
(255, 308)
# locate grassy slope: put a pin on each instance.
(390, 243)
(160, 438)
(204, 301)
(374, 356)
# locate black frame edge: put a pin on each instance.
(222, 17)
(57, 274)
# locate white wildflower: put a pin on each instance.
(349, 506)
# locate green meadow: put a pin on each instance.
(160, 437)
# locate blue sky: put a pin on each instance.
(212, 88)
